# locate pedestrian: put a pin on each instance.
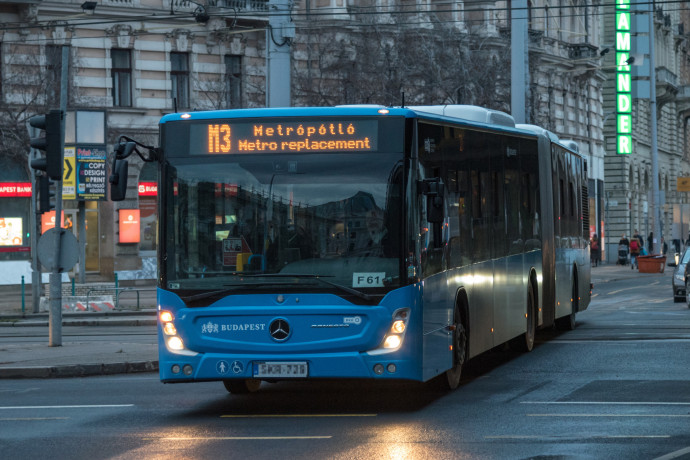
(664, 247)
(624, 241)
(595, 250)
(650, 243)
(634, 251)
(623, 250)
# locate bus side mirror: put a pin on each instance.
(118, 176)
(118, 180)
(433, 189)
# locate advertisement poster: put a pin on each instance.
(91, 173)
(130, 229)
(10, 231)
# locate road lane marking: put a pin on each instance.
(84, 406)
(612, 403)
(234, 438)
(30, 419)
(622, 436)
(295, 415)
(676, 454)
(609, 415)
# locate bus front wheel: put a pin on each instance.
(454, 374)
(242, 386)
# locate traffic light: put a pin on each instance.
(53, 143)
(45, 194)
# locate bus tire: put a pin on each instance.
(454, 374)
(525, 342)
(242, 386)
(567, 323)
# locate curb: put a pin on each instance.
(77, 370)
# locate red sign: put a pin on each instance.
(130, 227)
(48, 221)
(15, 189)
(148, 189)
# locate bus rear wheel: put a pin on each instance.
(454, 374)
(245, 386)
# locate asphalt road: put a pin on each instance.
(616, 387)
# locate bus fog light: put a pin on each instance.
(165, 316)
(378, 369)
(391, 368)
(398, 326)
(175, 369)
(187, 369)
(169, 329)
(392, 341)
(175, 343)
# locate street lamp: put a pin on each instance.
(89, 7)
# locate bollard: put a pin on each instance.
(117, 294)
(73, 287)
(23, 300)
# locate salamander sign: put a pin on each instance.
(623, 79)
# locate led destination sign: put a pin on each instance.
(284, 137)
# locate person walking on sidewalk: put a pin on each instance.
(634, 251)
(595, 250)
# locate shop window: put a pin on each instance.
(15, 208)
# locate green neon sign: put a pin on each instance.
(624, 121)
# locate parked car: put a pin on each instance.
(679, 276)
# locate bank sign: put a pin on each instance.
(623, 79)
(84, 175)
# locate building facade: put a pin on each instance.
(132, 61)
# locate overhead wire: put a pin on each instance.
(329, 13)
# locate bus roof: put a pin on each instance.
(465, 114)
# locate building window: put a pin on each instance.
(179, 76)
(122, 77)
(53, 76)
(233, 85)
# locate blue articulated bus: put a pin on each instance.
(362, 242)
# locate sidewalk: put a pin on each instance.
(19, 359)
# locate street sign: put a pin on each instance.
(69, 176)
(91, 173)
(69, 249)
(683, 184)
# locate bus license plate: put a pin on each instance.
(281, 369)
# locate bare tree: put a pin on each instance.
(28, 89)
(376, 63)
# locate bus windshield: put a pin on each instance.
(313, 222)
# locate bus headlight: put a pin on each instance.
(396, 333)
(169, 329)
(392, 341)
(173, 342)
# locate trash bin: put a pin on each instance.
(651, 264)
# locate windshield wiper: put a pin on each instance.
(349, 290)
(221, 292)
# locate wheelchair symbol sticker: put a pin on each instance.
(222, 367)
(237, 367)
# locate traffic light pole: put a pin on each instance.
(55, 316)
(55, 321)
